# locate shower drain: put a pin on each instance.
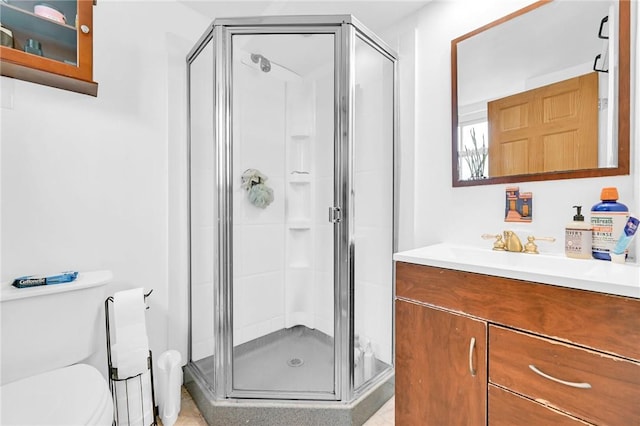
(295, 362)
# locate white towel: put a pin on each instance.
(131, 348)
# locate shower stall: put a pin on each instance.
(292, 130)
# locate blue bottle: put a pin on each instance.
(608, 219)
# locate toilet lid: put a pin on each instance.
(75, 395)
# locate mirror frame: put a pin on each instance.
(623, 107)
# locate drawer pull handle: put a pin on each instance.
(564, 382)
(472, 346)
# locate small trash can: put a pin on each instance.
(169, 383)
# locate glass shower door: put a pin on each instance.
(282, 181)
(373, 224)
(203, 210)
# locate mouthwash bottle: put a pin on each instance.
(608, 219)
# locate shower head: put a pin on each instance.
(265, 64)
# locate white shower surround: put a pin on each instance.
(281, 277)
(373, 210)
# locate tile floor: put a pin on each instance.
(190, 415)
(385, 416)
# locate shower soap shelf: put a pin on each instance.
(300, 177)
(300, 265)
(134, 387)
(299, 225)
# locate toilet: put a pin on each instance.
(47, 332)
(74, 395)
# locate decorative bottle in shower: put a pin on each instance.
(358, 362)
(369, 361)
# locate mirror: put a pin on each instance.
(542, 94)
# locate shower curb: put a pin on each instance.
(232, 412)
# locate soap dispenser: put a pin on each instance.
(577, 237)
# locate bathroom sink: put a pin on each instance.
(594, 275)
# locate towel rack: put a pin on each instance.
(128, 382)
(603, 21)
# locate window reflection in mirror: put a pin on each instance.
(473, 151)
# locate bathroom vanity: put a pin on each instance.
(502, 338)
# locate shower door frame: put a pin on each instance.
(225, 29)
(353, 30)
(345, 29)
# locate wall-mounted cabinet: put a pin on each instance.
(51, 43)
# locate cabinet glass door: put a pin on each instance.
(42, 29)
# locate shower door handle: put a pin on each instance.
(334, 214)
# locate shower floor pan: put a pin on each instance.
(291, 360)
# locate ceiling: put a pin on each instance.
(376, 14)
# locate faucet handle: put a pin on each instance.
(498, 244)
(531, 247)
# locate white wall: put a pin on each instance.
(85, 180)
(444, 213)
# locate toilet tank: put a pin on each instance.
(51, 326)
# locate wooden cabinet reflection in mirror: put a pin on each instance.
(548, 129)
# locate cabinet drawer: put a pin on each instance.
(600, 321)
(593, 386)
(509, 409)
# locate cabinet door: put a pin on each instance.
(441, 375)
(61, 46)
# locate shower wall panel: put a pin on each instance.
(258, 233)
(324, 289)
(373, 200)
(300, 234)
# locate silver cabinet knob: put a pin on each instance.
(85, 29)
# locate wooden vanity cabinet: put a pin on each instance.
(584, 348)
(67, 48)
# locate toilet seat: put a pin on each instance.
(74, 395)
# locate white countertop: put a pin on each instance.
(583, 274)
